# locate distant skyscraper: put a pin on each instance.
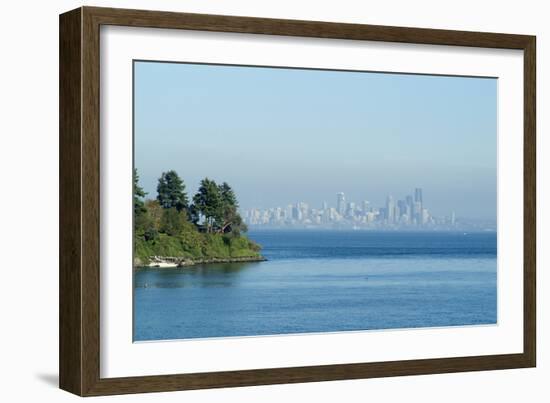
(409, 201)
(418, 195)
(366, 206)
(417, 212)
(296, 213)
(277, 214)
(402, 205)
(390, 209)
(408, 213)
(304, 209)
(425, 216)
(340, 203)
(289, 212)
(418, 205)
(350, 211)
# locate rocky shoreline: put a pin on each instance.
(178, 261)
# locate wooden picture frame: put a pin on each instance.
(79, 280)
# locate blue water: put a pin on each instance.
(325, 281)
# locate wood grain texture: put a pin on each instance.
(530, 202)
(305, 374)
(90, 201)
(70, 274)
(80, 196)
(315, 29)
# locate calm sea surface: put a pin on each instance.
(323, 281)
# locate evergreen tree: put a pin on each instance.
(160, 229)
(172, 221)
(154, 210)
(208, 203)
(143, 223)
(139, 194)
(140, 212)
(228, 195)
(231, 219)
(171, 191)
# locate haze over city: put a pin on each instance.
(411, 212)
(283, 136)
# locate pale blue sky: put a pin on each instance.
(279, 136)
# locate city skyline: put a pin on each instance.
(407, 212)
(280, 135)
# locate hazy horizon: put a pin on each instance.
(280, 136)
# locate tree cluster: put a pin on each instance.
(213, 209)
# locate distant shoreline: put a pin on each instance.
(372, 230)
(171, 262)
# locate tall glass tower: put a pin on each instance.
(390, 209)
(418, 195)
(340, 203)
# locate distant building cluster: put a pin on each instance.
(409, 212)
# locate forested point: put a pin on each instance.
(207, 227)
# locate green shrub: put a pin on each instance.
(190, 243)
